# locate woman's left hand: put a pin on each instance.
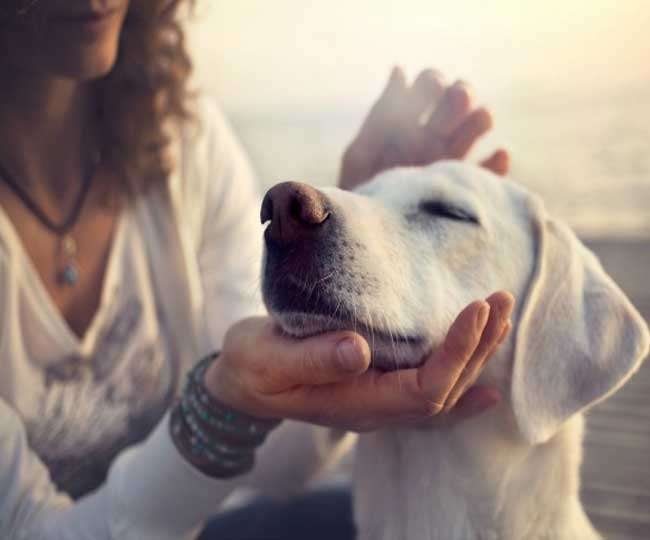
(417, 125)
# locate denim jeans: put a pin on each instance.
(325, 514)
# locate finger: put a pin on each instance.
(438, 375)
(393, 93)
(469, 377)
(405, 393)
(463, 138)
(372, 397)
(400, 394)
(498, 162)
(381, 114)
(396, 395)
(501, 304)
(425, 93)
(504, 333)
(476, 400)
(396, 84)
(315, 360)
(452, 109)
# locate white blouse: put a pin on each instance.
(184, 265)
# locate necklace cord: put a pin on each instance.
(64, 226)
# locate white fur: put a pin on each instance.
(512, 473)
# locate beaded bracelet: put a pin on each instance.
(218, 415)
(217, 439)
(201, 457)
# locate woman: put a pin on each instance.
(129, 249)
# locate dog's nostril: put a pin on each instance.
(295, 211)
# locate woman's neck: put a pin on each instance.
(42, 123)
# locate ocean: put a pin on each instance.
(588, 158)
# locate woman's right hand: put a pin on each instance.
(326, 379)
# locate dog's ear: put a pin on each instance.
(579, 338)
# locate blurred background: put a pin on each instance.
(568, 82)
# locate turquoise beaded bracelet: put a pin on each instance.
(214, 437)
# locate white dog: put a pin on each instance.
(397, 260)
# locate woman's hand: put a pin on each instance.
(326, 379)
(417, 125)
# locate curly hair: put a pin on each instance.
(144, 94)
(145, 91)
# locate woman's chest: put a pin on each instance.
(71, 267)
(126, 337)
(83, 399)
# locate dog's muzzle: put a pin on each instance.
(312, 282)
(301, 243)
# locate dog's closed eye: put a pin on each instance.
(446, 210)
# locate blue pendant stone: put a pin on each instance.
(69, 275)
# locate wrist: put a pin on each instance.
(216, 438)
(205, 460)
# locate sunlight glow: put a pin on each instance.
(252, 51)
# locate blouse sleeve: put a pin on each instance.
(151, 493)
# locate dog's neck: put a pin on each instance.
(477, 481)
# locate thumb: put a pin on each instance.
(321, 359)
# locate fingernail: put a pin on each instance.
(350, 355)
(482, 316)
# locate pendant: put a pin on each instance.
(68, 275)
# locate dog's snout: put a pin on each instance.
(296, 211)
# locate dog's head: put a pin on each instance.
(400, 257)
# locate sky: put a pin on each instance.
(568, 82)
(256, 53)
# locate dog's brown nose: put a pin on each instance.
(296, 212)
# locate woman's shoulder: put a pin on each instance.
(212, 173)
(207, 145)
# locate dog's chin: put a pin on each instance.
(389, 350)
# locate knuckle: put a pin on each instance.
(311, 361)
(431, 408)
(257, 374)
(446, 409)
